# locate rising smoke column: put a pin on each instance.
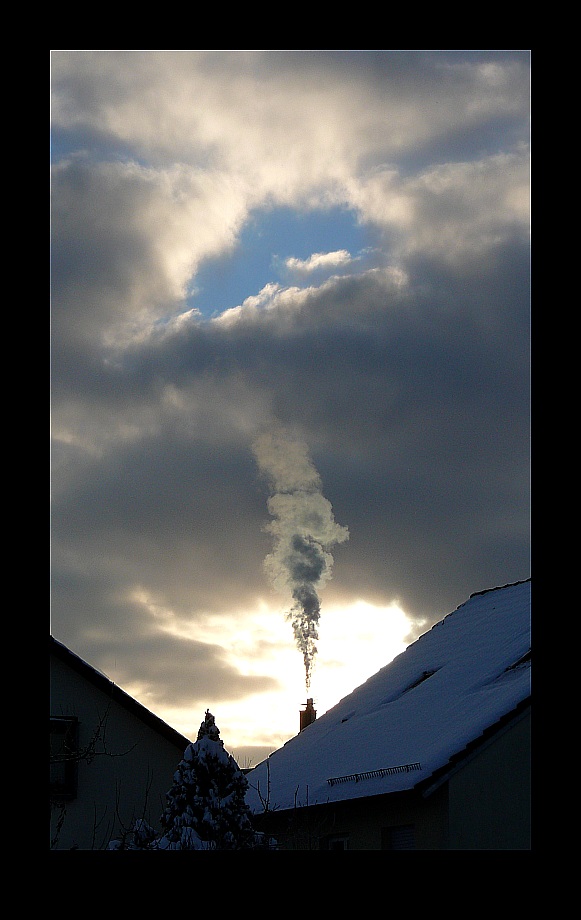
(304, 529)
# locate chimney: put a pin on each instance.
(308, 715)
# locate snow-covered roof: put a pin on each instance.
(406, 722)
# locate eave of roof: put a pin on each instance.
(429, 784)
(107, 686)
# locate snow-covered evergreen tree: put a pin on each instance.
(206, 808)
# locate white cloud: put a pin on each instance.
(273, 302)
(319, 260)
(450, 210)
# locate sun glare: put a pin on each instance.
(355, 641)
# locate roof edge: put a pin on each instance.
(107, 686)
(429, 785)
(511, 584)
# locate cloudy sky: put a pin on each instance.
(290, 366)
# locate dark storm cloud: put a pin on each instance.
(431, 397)
(426, 392)
(170, 513)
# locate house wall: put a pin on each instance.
(362, 821)
(131, 773)
(367, 820)
(490, 797)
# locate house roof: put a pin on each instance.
(104, 683)
(413, 721)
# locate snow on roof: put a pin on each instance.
(405, 722)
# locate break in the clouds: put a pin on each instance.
(333, 243)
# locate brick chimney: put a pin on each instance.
(308, 715)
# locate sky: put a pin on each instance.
(290, 366)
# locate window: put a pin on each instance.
(63, 757)
(398, 838)
(337, 842)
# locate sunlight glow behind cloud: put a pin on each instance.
(355, 641)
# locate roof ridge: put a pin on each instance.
(511, 584)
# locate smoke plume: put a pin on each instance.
(304, 530)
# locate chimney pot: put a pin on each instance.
(307, 715)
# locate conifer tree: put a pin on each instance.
(206, 808)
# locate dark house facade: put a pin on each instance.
(112, 760)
